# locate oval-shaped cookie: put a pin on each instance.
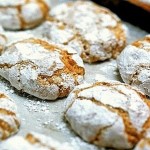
(108, 114)
(100, 31)
(134, 64)
(45, 70)
(34, 141)
(9, 119)
(22, 14)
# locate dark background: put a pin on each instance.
(128, 12)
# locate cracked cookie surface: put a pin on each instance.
(101, 32)
(34, 141)
(22, 14)
(45, 70)
(113, 115)
(3, 41)
(60, 33)
(134, 64)
(144, 143)
(9, 119)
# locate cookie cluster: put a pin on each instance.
(47, 62)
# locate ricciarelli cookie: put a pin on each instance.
(108, 114)
(100, 31)
(134, 64)
(34, 141)
(22, 14)
(9, 120)
(45, 70)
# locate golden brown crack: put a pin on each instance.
(6, 66)
(135, 74)
(6, 112)
(3, 95)
(6, 128)
(21, 63)
(33, 140)
(140, 43)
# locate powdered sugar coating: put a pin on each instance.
(101, 31)
(13, 37)
(42, 69)
(9, 119)
(108, 114)
(34, 141)
(134, 64)
(5, 3)
(22, 14)
(60, 33)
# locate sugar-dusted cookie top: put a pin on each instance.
(108, 114)
(45, 70)
(101, 31)
(134, 64)
(22, 14)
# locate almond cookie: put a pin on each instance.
(9, 120)
(34, 141)
(108, 114)
(134, 64)
(101, 32)
(22, 14)
(42, 69)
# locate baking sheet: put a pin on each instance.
(47, 116)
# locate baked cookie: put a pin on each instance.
(60, 33)
(45, 70)
(108, 114)
(34, 141)
(9, 120)
(134, 64)
(100, 31)
(22, 14)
